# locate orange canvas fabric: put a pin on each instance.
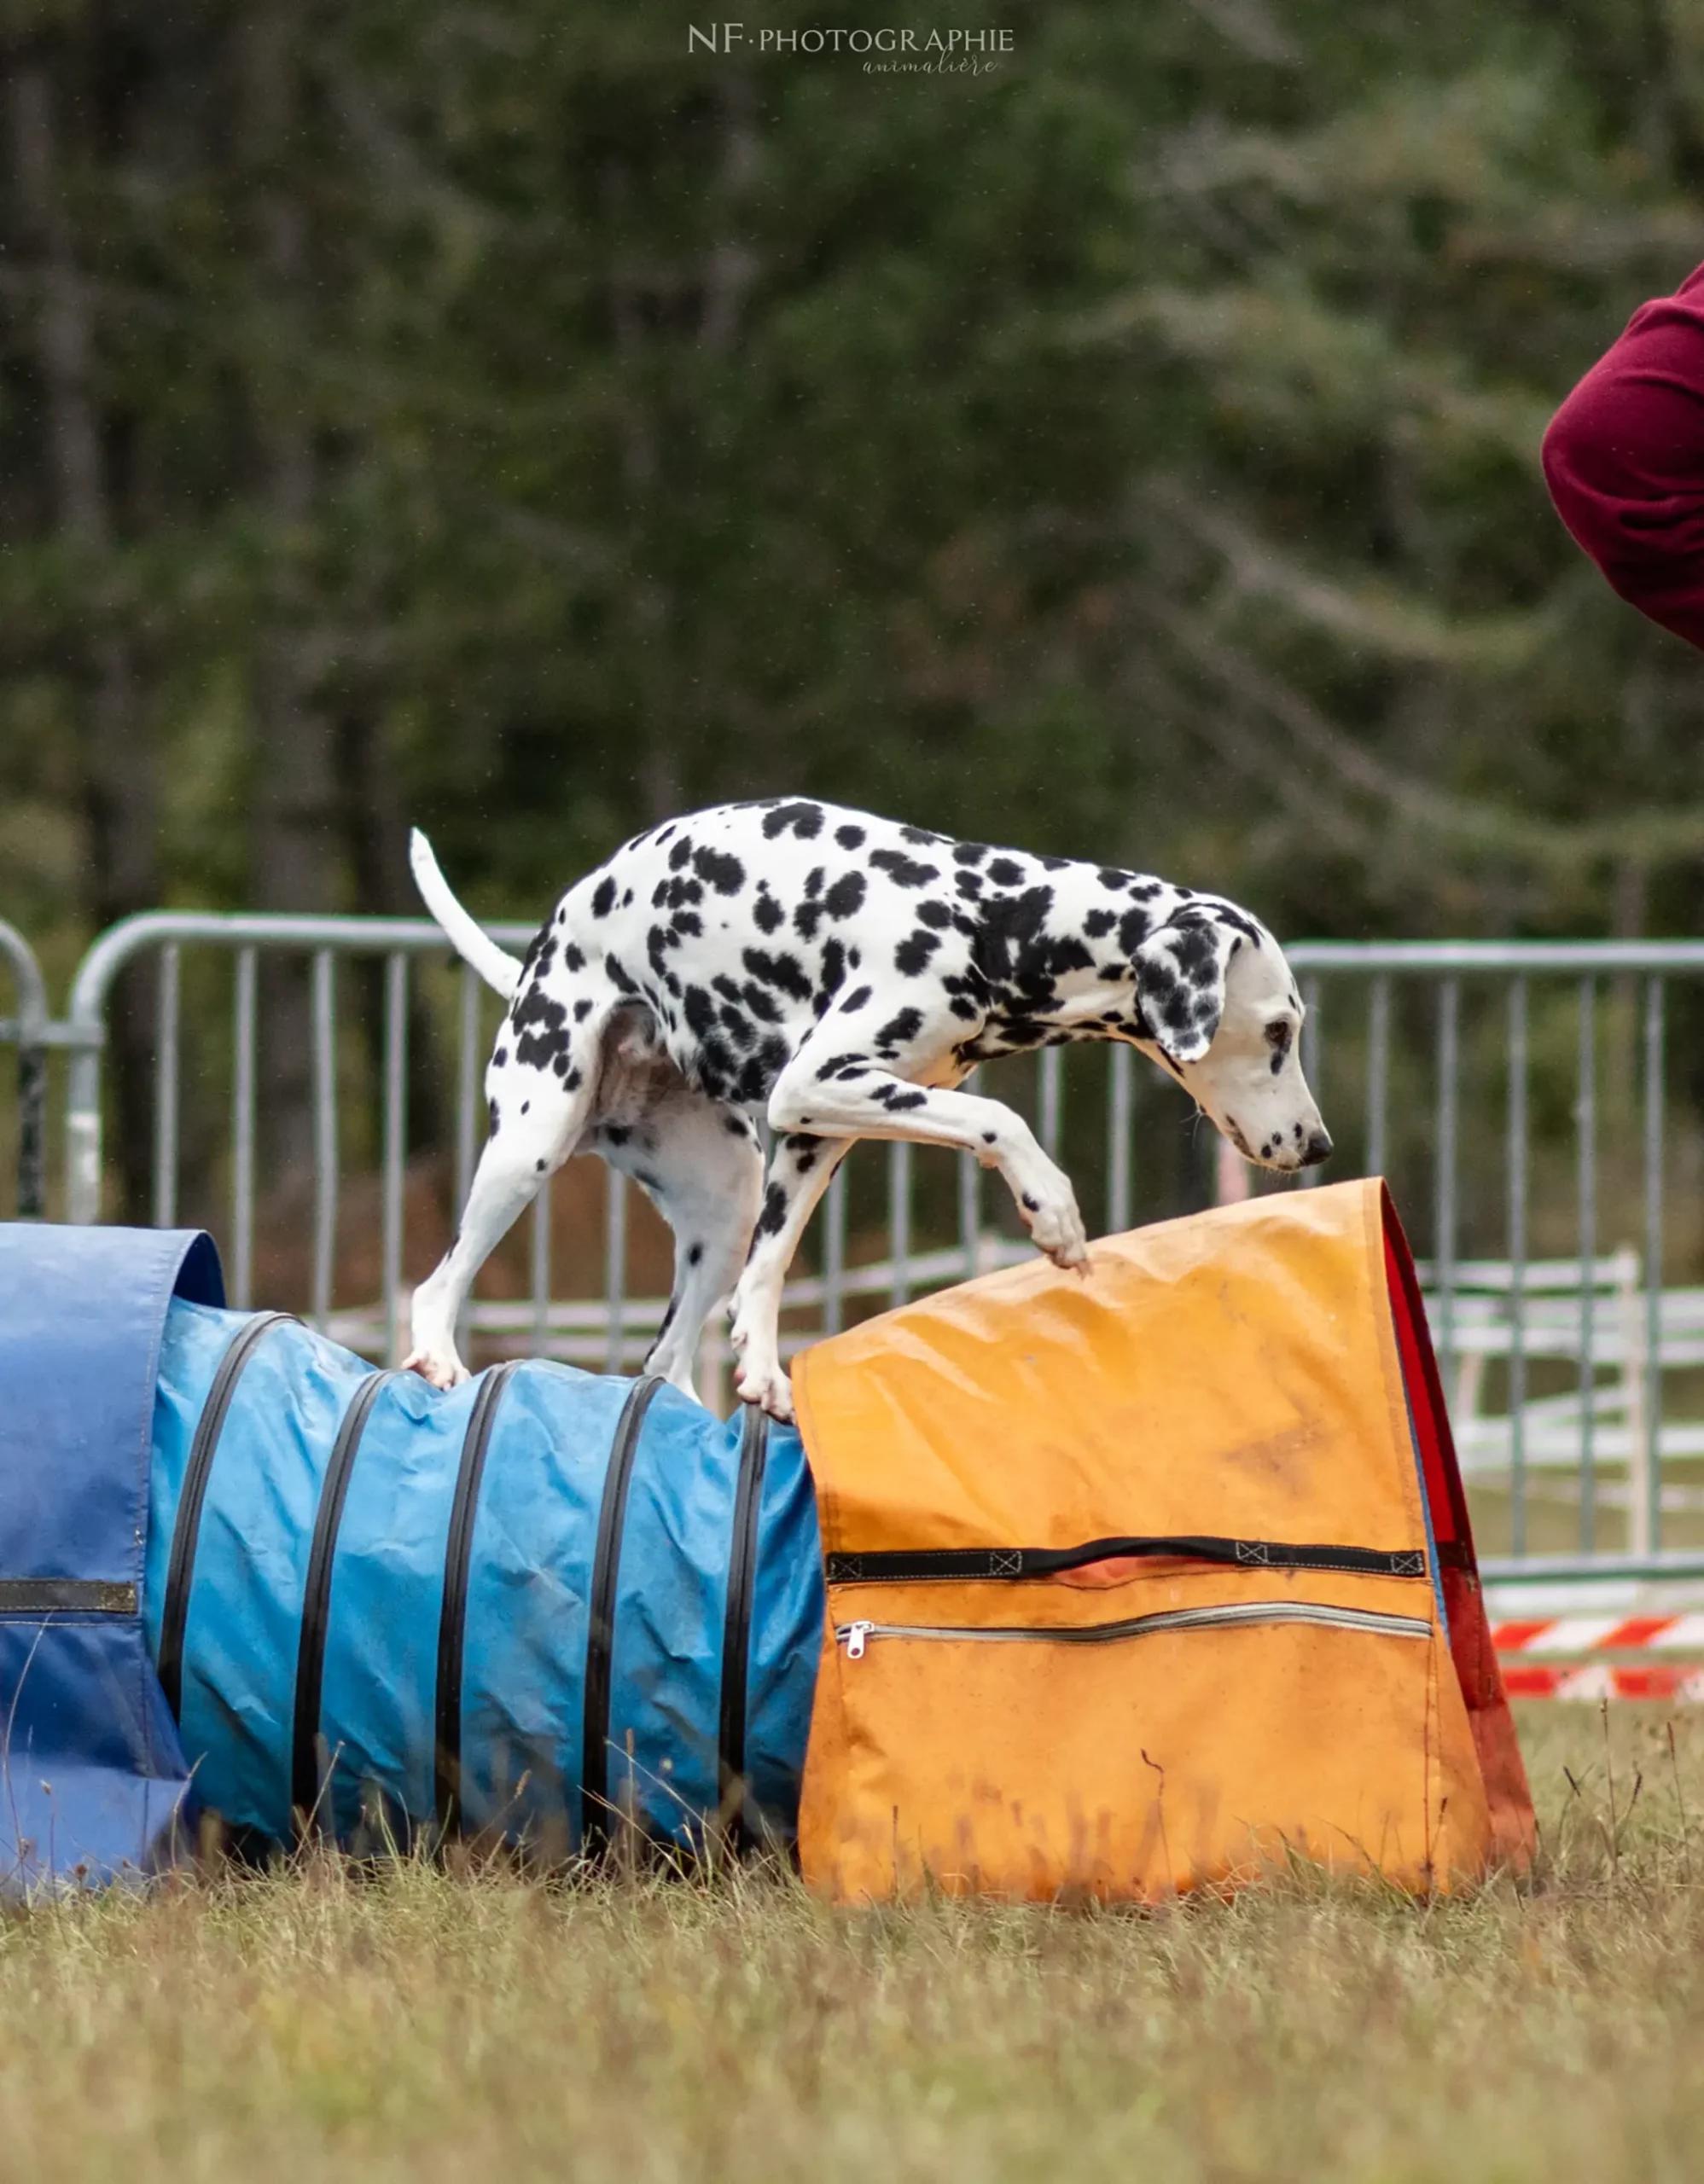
(1233, 1379)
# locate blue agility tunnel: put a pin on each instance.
(515, 1611)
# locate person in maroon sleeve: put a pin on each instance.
(1623, 459)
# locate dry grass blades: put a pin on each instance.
(425, 2026)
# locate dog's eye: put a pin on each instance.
(1278, 1036)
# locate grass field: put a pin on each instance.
(312, 2023)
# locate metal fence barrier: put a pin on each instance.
(1461, 1067)
(27, 1031)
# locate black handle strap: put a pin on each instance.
(33, 1596)
(180, 1567)
(924, 1566)
(736, 1630)
(600, 1648)
(305, 1769)
(452, 1618)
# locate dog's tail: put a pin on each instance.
(473, 944)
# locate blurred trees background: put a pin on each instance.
(502, 416)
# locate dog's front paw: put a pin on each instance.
(1057, 1228)
(769, 1388)
(439, 1368)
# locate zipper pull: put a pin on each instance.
(855, 1635)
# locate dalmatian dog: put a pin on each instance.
(841, 975)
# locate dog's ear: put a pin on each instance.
(1180, 981)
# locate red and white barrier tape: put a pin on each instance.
(1681, 1687)
(1682, 1683)
(1602, 1634)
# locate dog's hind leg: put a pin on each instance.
(699, 1163)
(538, 1115)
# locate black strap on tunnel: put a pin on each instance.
(736, 1628)
(452, 1618)
(180, 1568)
(599, 1646)
(924, 1566)
(305, 1778)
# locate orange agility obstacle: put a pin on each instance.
(1142, 1580)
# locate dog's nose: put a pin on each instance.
(1319, 1148)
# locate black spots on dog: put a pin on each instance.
(694, 1252)
(858, 998)
(572, 958)
(1032, 1203)
(849, 837)
(768, 912)
(603, 901)
(717, 869)
(540, 1025)
(681, 855)
(1113, 880)
(493, 1117)
(670, 894)
(526, 1106)
(538, 1167)
(843, 1067)
(736, 1024)
(756, 1081)
(724, 985)
(1054, 863)
(781, 970)
(619, 975)
(970, 886)
(813, 882)
(663, 832)
(936, 915)
(970, 852)
(761, 1001)
(898, 1099)
(1133, 929)
(1005, 872)
(687, 923)
(1099, 922)
(966, 1011)
(736, 1126)
(831, 973)
(541, 951)
(899, 1030)
(699, 1012)
(1009, 925)
(804, 820)
(919, 837)
(904, 871)
(627, 899)
(988, 1136)
(911, 957)
(773, 1218)
(616, 1133)
(500, 1059)
(806, 919)
(1195, 952)
(581, 1010)
(846, 897)
(1279, 1059)
(804, 1158)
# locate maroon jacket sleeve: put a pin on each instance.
(1623, 459)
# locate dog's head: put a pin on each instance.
(1219, 1009)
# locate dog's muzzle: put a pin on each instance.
(1318, 1149)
